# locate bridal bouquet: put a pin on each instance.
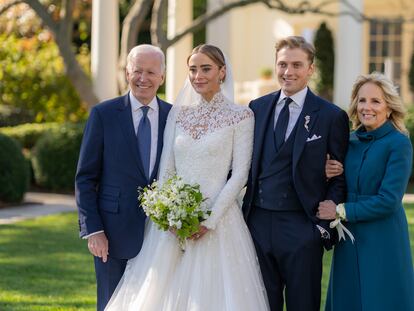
(175, 205)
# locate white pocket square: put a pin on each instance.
(314, 137)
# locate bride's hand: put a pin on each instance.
(173, 230)
(198, 235)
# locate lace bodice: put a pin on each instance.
(207, 117)
(208, 140)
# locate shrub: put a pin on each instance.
(55, 156)
(409, 123)
(28, 134)
(411, 73)
(33, 80)
(10, 116)
(14, 171)
(325, 61)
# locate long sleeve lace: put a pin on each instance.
(241, 158)
(212, 138)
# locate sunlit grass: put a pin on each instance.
(44, 266)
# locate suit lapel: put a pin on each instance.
(127, 125)
(263, 117)
(162, 119)
(310, 112)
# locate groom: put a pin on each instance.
(120, 152)
(294, 132)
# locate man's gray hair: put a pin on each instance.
(146, 48)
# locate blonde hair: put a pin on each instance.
(296, 42)
(391, 96)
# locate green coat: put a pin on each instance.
(376, 272)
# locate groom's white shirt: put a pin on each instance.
(295, 108)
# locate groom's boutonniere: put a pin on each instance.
(307, 120)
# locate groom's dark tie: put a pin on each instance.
(282, 124)
(144, 140)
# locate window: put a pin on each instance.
(385, 47)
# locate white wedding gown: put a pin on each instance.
(220, 271)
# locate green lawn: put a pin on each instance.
(45, 266)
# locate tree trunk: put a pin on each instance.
(130, 29)
(62, 31)
(76, 74)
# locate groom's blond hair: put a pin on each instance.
(296, 42)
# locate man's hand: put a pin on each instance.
(333, 168)
(326, 210)
(98, 246)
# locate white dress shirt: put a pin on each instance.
(153, 118)
(295, 108)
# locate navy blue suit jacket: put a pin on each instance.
(309, 157)
(109, 174)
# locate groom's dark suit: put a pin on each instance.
(283, 192)
(109, 173)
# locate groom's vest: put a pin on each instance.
(275, 189)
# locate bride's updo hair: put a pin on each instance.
(212, 52)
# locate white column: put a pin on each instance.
(348, 53)
(180, 14)
(104, 51)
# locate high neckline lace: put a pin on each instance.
(209, 116)
(217, 99)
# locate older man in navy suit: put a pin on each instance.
(120, 152)
(294, 132)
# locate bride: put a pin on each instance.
(206, 138)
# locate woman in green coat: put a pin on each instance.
(375, 271)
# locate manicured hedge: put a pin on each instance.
(28, 134)
(55, 155)
(14, 171)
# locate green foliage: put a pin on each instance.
(28, 134)
(266, 73)
(10, 116)
(55, 156)
(33, 80)
(411, 73)
(199, 8)
(325, 61)
(14, 171)
(409, 123)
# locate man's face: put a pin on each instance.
(293, 70)
(144, 76)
